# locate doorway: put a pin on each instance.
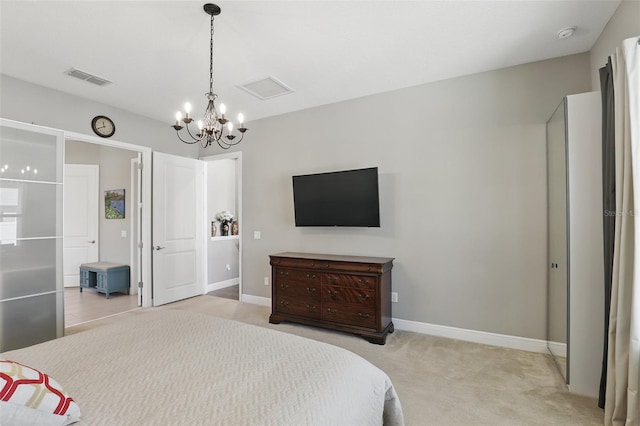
(116, 240)
(224, 252)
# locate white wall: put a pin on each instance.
(115, 173)
(624, 23)
(462, 186)
(222, 195)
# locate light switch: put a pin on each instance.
(123, 234)
(256, 235)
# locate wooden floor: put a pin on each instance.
(90, 305)
(231, 292)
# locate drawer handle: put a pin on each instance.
(284, 302)
(332, 293)
(364, 296)
(332, 311)
(333, 279)
(311, 290)
(363, 316)
(284, 286)
(284, 274)
(311, 276)
(361, 281)
(312, 307)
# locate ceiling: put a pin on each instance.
(157, 53)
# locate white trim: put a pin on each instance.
(223, 284)
(493, 339)
(227, 237)
(482, 337)
(145, 198)
(235, 155)
(558, 349)
(256, 300)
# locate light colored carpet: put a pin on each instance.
(439, 381)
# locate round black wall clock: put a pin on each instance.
(103, 126)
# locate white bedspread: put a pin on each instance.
(176, 367)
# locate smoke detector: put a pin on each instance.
(566, 32)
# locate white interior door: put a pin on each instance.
(80, 219)
(178, 228)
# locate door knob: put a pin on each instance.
(92, 242)
(158, 247)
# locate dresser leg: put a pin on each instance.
(392, 328)
(378, 340)
(275, 319)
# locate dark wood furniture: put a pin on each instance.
(345, 293)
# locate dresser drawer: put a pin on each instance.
(299, 263)
(349, 314)
(349, 295)
(301, 306)
(354, 267)
(294, 275)
(365, 282)
(293, 288)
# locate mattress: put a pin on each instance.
(166, 366)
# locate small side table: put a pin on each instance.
(105, 277)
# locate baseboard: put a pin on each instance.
(483, 337)
(493, 339)
(223, 284)
(256, 300)
(558, 349)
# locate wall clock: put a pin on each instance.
(103, 126)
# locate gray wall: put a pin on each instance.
(623, 24)
(115, 173)
(462, 187)
(30, 103)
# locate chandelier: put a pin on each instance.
(214, 126)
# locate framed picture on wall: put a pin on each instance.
(114, 204)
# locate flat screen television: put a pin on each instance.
(344, 198)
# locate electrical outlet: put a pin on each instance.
(256, 235)
(266, 280)
(394, 297)
(228, 267)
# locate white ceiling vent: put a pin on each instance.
(82, 75)
(266, 88)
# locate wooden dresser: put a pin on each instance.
(345, 293)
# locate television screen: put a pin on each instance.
(345, 198)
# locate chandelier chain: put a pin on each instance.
(211, 59)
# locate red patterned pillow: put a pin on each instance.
(29, 396)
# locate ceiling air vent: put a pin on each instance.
(266, 88)
(82, 75)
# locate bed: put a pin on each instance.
(166, 366)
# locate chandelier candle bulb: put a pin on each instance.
(230, 127)
(241, 119)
